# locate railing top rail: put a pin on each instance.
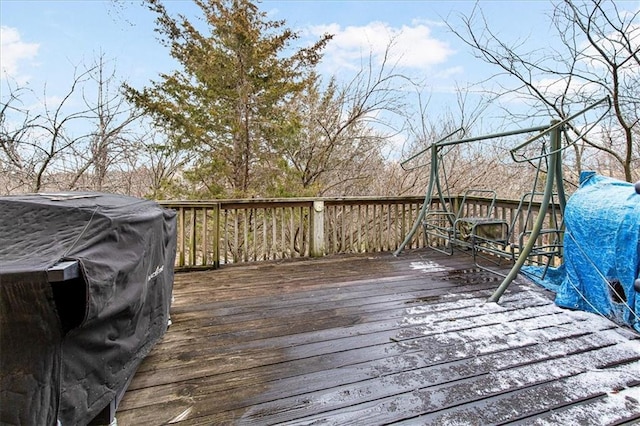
(188, 203)
(253, 202)
(307, 202)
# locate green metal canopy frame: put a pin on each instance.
(554, 179)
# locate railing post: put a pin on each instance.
(317, 229)
(215, 243)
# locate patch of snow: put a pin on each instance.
(464, 301)
(608, 410)
(428, 266)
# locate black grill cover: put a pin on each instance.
(68, 349)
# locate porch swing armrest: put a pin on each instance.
(482, 230)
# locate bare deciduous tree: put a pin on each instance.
(597, 55)
(13, 171)
(56, 145)
(34, 142)
(111, 141)
(162, 165)
(343, 129)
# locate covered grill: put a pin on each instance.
(85, 291)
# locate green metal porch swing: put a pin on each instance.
(484, 234)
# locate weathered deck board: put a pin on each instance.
(378, 340)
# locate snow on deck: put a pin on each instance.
(379, 340)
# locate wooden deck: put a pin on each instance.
(377, 340)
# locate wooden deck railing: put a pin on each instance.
(214, 233)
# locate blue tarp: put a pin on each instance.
(601, 251)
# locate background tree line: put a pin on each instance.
(248, 115)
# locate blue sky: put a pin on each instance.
(43, 41)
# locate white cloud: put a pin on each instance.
(13, 50)
(413, 46)
(450, 72)
(556, 87)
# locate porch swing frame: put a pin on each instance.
(477, 241)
